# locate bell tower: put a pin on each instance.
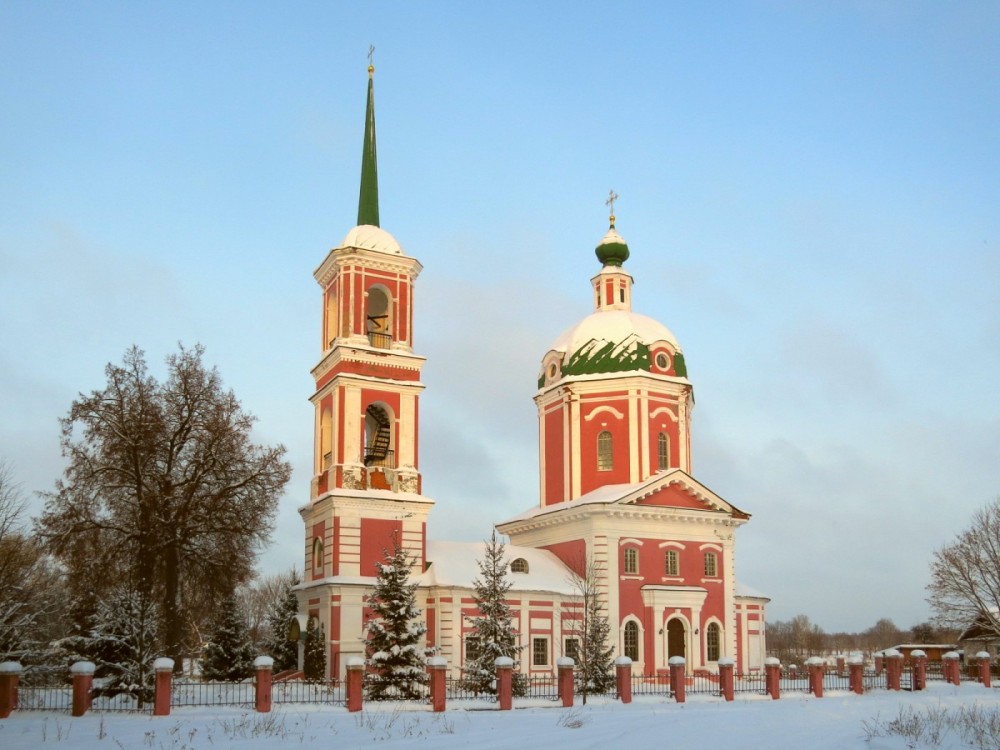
(365, 491)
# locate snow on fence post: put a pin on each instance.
(893, 668)
(623, 678)
(164, 671)
(950, 662)
(816, 667)
(676, 664)
(10, 674)
(919, 666)
(438, 666)
(726, 665)
(262, 684)
(984, 667)
(505, 672)
(564, 665)
(355, 682)
(83, 679)
(772, 677)
(793, 671)
(856, 673)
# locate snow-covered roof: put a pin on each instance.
(369, 237)
(748, 591)
(613, 327)
(455, 564)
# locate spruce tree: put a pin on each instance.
(229, 654)
(495, 633)
(284, 652)
(594, 673)
(125, 642)
(314, 656)
(395, 657)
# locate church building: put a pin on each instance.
(617, 502)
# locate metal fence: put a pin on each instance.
(36, 698)
(333, 692)
(199, 693)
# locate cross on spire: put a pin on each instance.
(610, 203)
(371, 59)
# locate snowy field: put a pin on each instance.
(838, 721)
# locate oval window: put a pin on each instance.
(663, 361)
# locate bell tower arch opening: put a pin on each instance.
(379, 317)
(378, 449)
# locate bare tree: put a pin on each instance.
(259, 598)
(965, 575)
(882, 635)
(163, 487)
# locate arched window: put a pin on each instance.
(605, 461)
(631, 560)
(662, 451)
(713, 641)
(711, 565)
(317, 558)
(325, 440)
(671, 562)
(520, 565)
(632, 640)
(379, 315)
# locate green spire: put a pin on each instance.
(368, 200)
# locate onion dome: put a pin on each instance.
(612, 249)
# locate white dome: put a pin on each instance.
(369, 237)
(613, 327)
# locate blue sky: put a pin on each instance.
(809, 191)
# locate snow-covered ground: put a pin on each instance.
(796, 722)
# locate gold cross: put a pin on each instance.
(610, 202)
(371, 55)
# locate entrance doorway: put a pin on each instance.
(676, 639)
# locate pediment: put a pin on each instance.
(677, 489)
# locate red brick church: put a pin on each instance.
(616, 493)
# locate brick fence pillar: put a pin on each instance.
(879, 662)
(355, 683)
(893, 669)
(772, 677)
(676, 664)
(983, 657)
(565, 665)
(623, 678)
(438, 667)
(856, 674)
(505, 688)
(163, 669)
(950, 666)
(918, 665)
(262, 665)
(83, 679)
(10, 674)
(816, 668)
(726, 678)
(841, 666)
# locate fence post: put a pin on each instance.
(163, 668)
(262, 683)
(623, 678)
(841, 665)
(438, 667)
(793, 671)
(816, 667)
(893, 669)
(355, 682)
(505, 672)
(726, 682)
(772, 677)
(984, 667)
(10, 674)
(918, 663)
(564, 665)
(83, 678)
(856, 673)
(950, 666)
(676, 664)
(879, 661)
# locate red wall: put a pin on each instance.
(377, 538)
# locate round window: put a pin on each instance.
(662, 361)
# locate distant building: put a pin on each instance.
(614, 414)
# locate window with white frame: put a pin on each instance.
(631, 560)
(631, 640)
(572, 649)
(662, 451)
(712, 642)
(605, 454)
(539, 652)
(711, 565)
(317, 557)
(671, 563)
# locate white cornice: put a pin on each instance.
(340, 257)
(368, 355)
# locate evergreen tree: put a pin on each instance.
(314, 658)
(495, 634)
(395, 657)
(595, 671)
(229, 654)
(125, 642)
(284, 652)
